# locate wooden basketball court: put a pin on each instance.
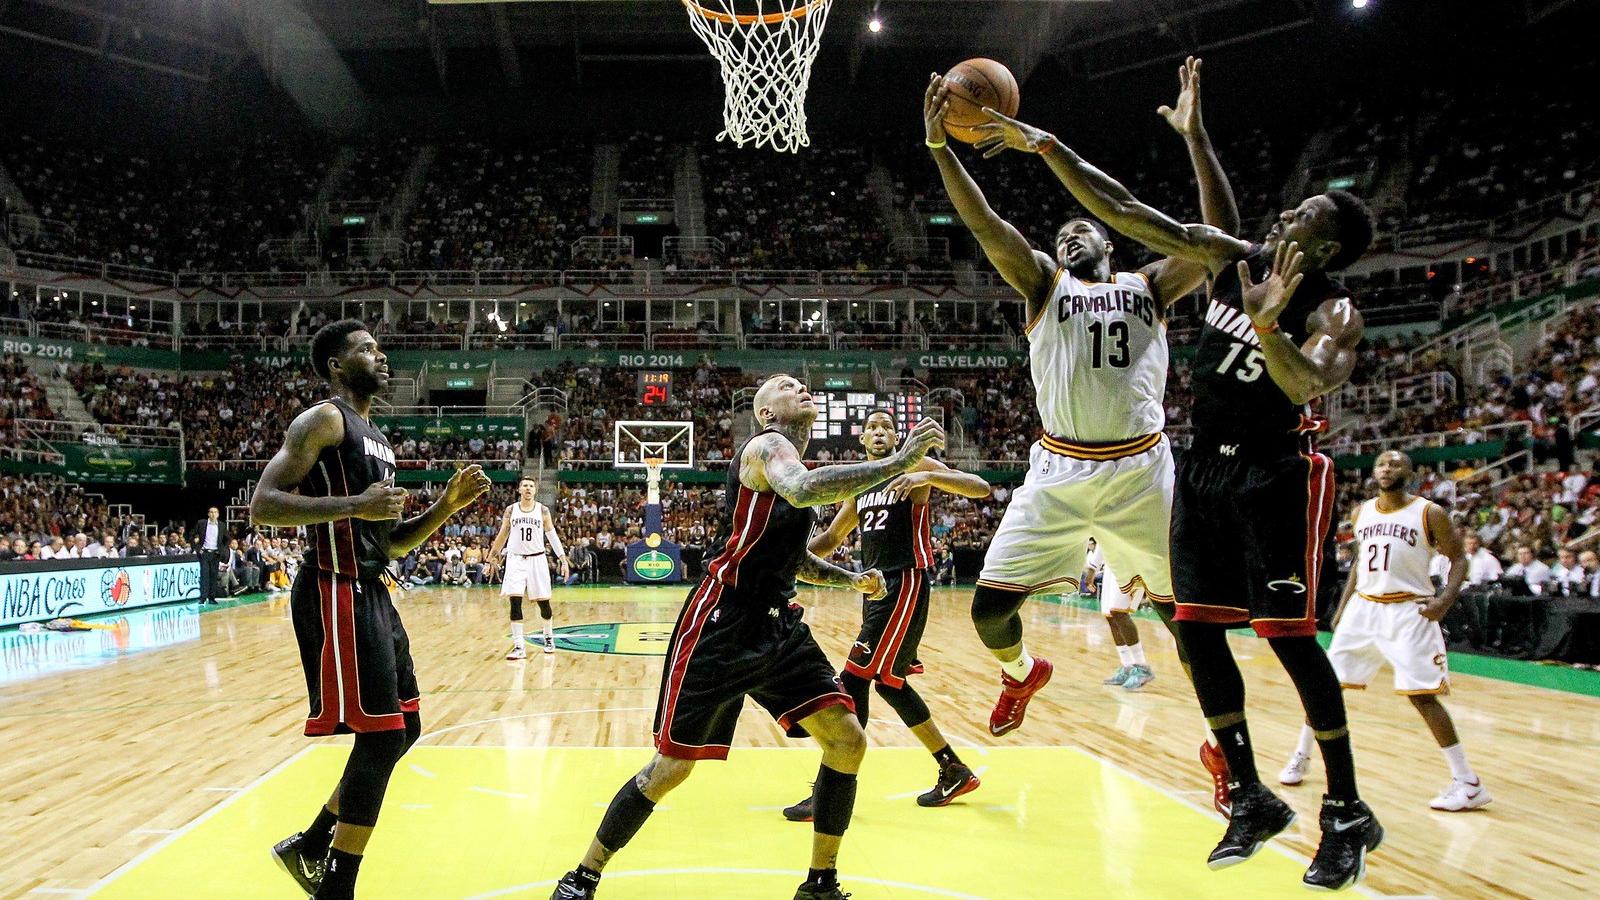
(165, 758)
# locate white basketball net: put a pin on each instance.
(766, 48)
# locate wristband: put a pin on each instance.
(1265, 331)
(935, 146)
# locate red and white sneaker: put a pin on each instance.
(1012, 706)
(1217, 764)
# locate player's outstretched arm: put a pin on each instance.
(824, 542)
(465, 486)
(1025, 269)
(818, 571)
(276, 501)
(1106, 199)
(1449, 544)
(1173, 278)
(931, 475)
(1328, 357)
(770, 461)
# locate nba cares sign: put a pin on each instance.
(34, 591)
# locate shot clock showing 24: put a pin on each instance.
(655, 388)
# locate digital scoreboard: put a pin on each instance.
(655, 388)
(841, 414)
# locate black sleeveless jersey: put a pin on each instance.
(363, 458)
(1235, 400)
(763, 540)
(894, 535)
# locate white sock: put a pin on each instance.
(1019, 668)
(548, 634)
(1307, 738)
(1211, 737)
(1136, 653)
(516, 634)
(1124, 655)
(1456, 755)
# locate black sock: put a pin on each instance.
(1340, 764)
(587, 875)
(339, 881)
(315, 839)
(823, 877)
(1234, 742)
(946, 757)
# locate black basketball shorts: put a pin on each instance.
(355, 653)
(725, 647)
(1247, 536)
(891, 629)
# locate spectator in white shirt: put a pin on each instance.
(1590, 561)
(106, 547)
(1572, 485)
(79, 547)
(1530, 569)
(1482, 567)
(57, 549)
(1567, 575)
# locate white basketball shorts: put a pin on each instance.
(527, 577)
(1124, 502)
(1370, 632)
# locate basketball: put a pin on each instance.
(974, 84)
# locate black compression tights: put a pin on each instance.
(366, 774)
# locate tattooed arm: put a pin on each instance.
(818, 571)
(771, 463)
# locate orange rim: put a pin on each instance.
(768, 19)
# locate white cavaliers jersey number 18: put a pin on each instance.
(1099, 357)
(1393, 552)
(527, 530)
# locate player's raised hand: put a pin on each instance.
(935, 105)
(1264, 302)
(380, 502)
(901, 487)
(871, 583)
(465, 486)
(1002, 133)
(1184, 115)
(926, 437)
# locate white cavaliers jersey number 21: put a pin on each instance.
(1099, 356)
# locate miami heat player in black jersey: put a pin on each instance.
(894, 518)
(334, 476)
(740, 635)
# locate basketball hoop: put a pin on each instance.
(652, 475)
(766, 58)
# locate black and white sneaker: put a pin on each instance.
(1258, 815)
(953, 782)
(1349, 832)
(802, 811)
(306, 870)
(575, 885)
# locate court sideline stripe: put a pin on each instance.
(717, 870)
(232, 798)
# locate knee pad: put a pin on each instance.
(994, 612)
(545, 612)
(366, 775)
(516, 609)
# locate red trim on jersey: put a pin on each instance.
(922, 535)
(695, 615)
(750, 517)
(339, 680)
(894, 637)
(1217, 615)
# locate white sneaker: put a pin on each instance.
(549, 644)
(1462, 795)
(517, 652)
(1295, 771)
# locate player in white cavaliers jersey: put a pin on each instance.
(1098, 350)
(1117, 605)
(523, 532)
(1391, 611)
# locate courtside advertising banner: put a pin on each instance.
(36, 591)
